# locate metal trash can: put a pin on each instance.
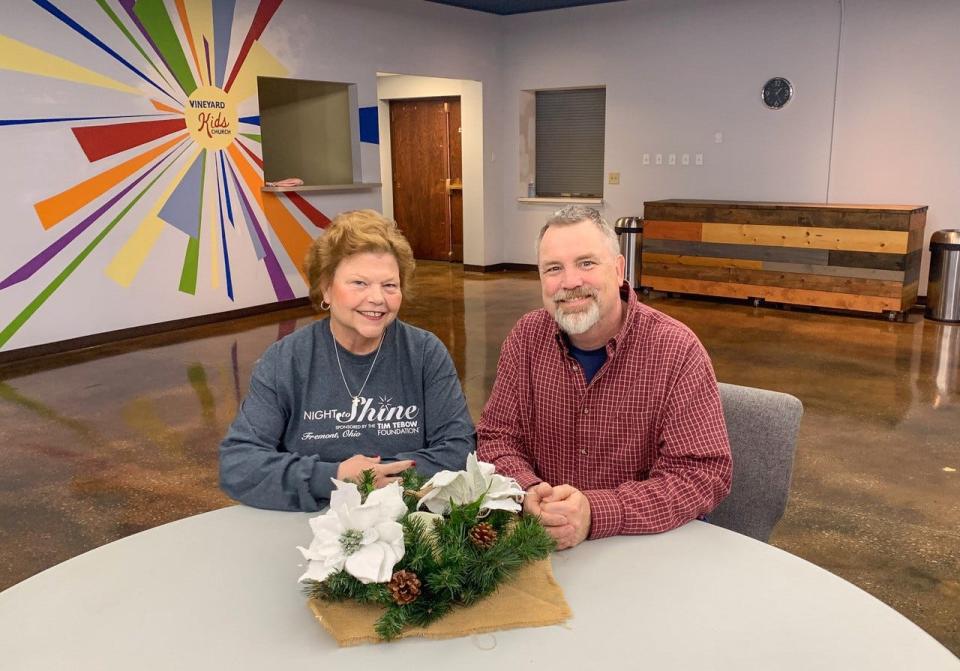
(943, 288)
(630, 232)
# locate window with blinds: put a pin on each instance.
(569, 151)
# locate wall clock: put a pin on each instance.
(776, 93)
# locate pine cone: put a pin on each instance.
(404, 587)
(483, 535)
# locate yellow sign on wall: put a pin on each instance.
(211, 117)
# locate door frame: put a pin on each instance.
(408, 87)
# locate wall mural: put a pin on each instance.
(195, 137)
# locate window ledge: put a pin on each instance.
(357, 186)
(558, 199)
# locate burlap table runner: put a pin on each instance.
(531, 599)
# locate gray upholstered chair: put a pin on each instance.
(762, 426)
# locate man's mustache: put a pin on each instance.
(573, 294)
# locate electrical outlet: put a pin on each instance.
(672, 159)
(659, 159)
(685, 159)
(646, 159)
(718, 137)
(613, 178)
(698, 159)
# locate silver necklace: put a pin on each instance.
(336, 349)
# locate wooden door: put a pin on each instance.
(425, 155)
(455, 174)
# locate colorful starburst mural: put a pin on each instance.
(185, 69)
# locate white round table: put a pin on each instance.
(219, 591)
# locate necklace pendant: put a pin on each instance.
(355, 399)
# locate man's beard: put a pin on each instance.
(580, 321)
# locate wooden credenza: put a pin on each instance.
(850, 257)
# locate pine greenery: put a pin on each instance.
(452, 571)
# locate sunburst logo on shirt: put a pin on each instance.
(194, 75)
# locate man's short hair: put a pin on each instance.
(576, 214)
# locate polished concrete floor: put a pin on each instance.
(106, 442)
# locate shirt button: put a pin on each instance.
(586, 411)
(583, 450)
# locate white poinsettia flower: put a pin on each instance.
(363, 539)
(463, 487)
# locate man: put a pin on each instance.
(605, 411)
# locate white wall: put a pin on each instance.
(314, 39)
(897, 134)
(677, 72)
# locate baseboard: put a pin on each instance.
(499, 267)
(110, 337)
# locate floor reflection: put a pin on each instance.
(945, 363)
(103, 443)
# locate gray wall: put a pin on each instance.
(679, 72)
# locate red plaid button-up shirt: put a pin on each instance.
(645, 441)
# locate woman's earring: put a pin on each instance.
(324, 305)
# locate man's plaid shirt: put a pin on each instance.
(645, 441)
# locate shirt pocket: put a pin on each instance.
(626, 439)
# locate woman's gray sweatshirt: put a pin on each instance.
(297, 422)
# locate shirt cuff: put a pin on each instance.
(321, 480)
(606, 513)
(518, 469)
(528, 480)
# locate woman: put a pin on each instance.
(360, 390)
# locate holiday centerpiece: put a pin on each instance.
(399, 559)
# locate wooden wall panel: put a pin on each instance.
(868, 260)
(881, 218)
(754, 252)
(804, 236)
(823, 299)
(836, 271)
(912, 266)
(766, 278)
(918, 220)
(915, 240)
(700, 261)
(671, 230)
(854, 257)
(910, 293)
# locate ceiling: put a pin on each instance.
(504, 7)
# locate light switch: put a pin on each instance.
(672, 159)
(698, 159)
(659, 159)
(718, 137)
(646, 159)
(685, 159)
(613, 178)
